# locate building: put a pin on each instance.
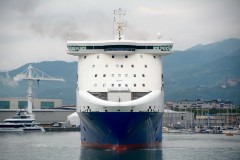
(178, 120)
(185, 104)
(46, 111)
(223, 119)
(21, 103)
(208, 113)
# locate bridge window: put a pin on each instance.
(89, 47)
(119, 48)
(141, 47)
(98, 47)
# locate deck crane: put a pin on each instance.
(32, 74)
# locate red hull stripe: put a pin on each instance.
(121, 146)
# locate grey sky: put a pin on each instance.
(34, 31)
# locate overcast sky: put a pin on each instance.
(35, 31)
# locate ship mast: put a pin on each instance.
(119, 23)
(32, 74)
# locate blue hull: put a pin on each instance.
(121, 130)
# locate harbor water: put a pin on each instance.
(66, 146)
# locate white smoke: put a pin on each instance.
(8, 81)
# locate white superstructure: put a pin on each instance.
(120, 75)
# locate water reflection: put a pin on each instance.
(93, 154)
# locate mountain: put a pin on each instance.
(202, 72)
(225, 46)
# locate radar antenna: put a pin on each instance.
(119, 24)
(32, 74)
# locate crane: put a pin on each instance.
(32, 74)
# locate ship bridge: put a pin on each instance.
(83, 48)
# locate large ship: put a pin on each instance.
(120, 98)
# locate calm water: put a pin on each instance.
(66, 146)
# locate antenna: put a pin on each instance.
(159, 36)
(32, 74)
(119, 24)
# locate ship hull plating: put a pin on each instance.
(121, 130)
